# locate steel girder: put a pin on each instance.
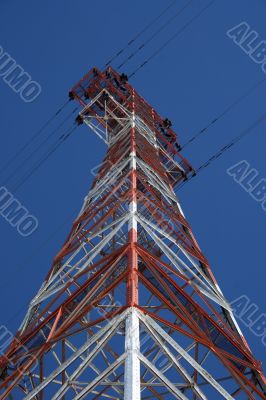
(130, 308)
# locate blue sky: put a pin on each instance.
(191, 81)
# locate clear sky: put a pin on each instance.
(191, 81)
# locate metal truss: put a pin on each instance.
(130, 308)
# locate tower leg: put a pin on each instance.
(132, 367)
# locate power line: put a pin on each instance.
(172, 38)
(226, 110)
(140, 33)
(165, 25)
(52, 150)
(34, 137)
(18, 168)
(37, 134)
(233, 142)
(229, 145)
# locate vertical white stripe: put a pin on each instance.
(132, 363)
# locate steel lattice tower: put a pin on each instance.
(130, 308)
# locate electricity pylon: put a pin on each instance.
(130, 308)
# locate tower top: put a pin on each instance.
(97, 88)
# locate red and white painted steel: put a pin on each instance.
(130, 308)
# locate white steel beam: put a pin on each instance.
(101, 335)
(153, 326)
(132, 363)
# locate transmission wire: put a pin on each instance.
(52, 150)
(225, 148)
(172, 38)
(140, 33)
(34, 137)
(226, 110)
(154, 35)
(18, 168)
